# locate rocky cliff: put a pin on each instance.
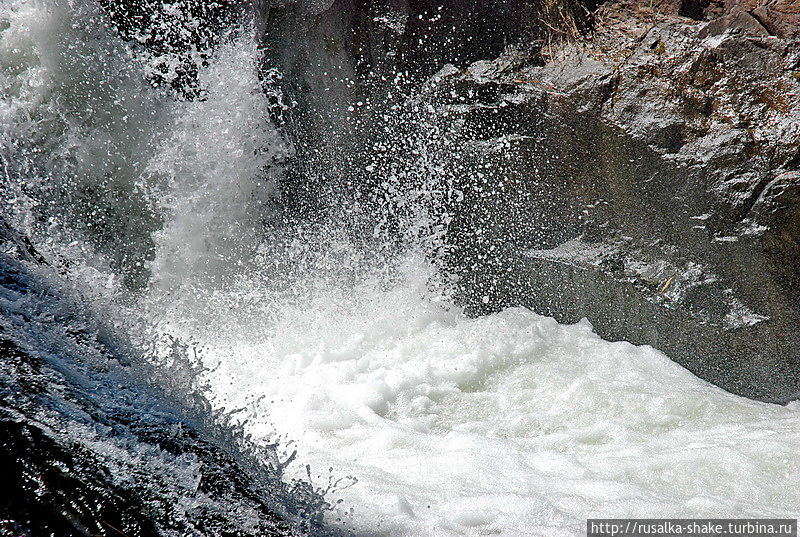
(674, 145)
(633, 163)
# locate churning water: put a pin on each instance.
(349, 355)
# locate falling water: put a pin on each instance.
(335, 335)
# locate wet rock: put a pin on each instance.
(643, 175)
(672, 145)
(91, 446)
(334, 64)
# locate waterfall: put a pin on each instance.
(230, 333)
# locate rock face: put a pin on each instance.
(328, 64)
(680, 145)
(646, 177)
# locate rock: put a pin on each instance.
(333, 55)
(780, 17)
(643, 176)
(739, 20)
(91, 447)
(679, 146)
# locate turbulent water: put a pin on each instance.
(350, 355)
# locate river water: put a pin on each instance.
(349, 355)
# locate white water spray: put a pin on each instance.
(509, 424)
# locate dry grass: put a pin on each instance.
(559, 21)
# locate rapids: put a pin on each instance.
(351, 356)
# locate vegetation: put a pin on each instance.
(557, 21)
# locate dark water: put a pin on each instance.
(90, 447)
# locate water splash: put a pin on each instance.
(336, 333)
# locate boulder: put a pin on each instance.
(664, 155)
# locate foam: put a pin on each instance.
(507, 424)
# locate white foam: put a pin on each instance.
(77, 125)
(508, 424)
